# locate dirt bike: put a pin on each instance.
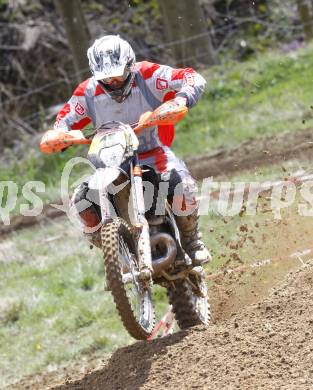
(139, 248)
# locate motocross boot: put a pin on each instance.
(191, 239)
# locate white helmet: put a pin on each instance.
(109, 57)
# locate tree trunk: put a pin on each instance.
(77, 34)
(306, 14)
(185, 24)
(241, 7)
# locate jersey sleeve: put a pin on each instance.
(188, 83)
(166, 82)
(74, 114)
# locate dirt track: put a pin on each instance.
(268, 345)
(251, 154)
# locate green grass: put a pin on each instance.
(42, 168)
(53, 307)
(266, 95)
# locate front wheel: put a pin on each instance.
(132, 299)
(190, 309)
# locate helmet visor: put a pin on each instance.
(112, 72)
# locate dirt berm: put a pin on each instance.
(268, 345)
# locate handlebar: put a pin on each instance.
(169, 113)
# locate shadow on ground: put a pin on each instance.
(128, 367)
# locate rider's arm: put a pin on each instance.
(167, 83)
(188, 83)
(74, 114)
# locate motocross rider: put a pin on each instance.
(122, 89)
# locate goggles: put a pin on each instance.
(113, 80)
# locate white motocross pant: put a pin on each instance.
(173, 170)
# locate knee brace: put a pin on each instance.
(86, 209)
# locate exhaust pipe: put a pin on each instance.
(164, 240)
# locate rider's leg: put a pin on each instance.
(86, 209)
(182, 197)
(85, 204)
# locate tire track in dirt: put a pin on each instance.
(254, 153)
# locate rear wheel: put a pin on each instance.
(190, 309)
(132, 299)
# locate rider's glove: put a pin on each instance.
(63, 129)
(181, 101)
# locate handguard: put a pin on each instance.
(169, 113)
(55, 141)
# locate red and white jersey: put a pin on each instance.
(153, 85)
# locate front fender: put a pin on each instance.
(103, 177)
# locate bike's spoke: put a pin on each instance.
(133, 302)
(130, 278)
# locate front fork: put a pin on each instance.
(140, 221)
